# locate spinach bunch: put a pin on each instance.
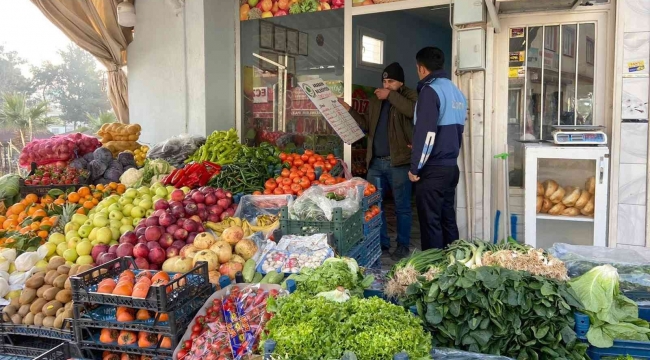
(493, 310)
(306, 327)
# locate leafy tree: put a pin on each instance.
(75, 85)
(96, 122)
(11, 78)
(16, 115)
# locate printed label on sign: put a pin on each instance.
(517, 56)
(335, 114)
(260, 95)
(635, 66)
(516, 32)
(516, 72)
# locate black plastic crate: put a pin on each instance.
(28, 346)
(160, 354)
(42, 190)
(63, 351)
(87, 325)
(183, 289)
(64, 334)
(347, 232)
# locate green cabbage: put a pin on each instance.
(9, 188)
(612, 316)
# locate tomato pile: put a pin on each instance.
(230, 327)
(371, 213)
(54, 174)
(369, 190)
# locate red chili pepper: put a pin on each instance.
(168, 179)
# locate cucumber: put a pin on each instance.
(249, 270)
(267, 278)
(277, 278)
(257, 278)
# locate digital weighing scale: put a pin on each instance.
(579, 135)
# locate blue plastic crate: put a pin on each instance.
(636, 349)
(367, 252)
(372, 224)
(371, 200)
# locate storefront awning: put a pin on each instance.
(519, 6)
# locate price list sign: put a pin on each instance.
(335, 114)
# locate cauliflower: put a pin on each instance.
(131, 176)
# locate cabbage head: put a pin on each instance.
(9, 187)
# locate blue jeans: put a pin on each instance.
(396, 179)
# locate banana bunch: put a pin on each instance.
(249, 229)
(265, 228)
(266, 220)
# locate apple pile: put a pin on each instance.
(261, 9)
(172, 225)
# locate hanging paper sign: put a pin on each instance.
(517, 33)
(335, 114)
(517, 56)
(635, 66)
(260, 95)
(515, 72)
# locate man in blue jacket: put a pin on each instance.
(439, 122)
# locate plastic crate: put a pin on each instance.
(39, 331)
(184, 288)
(42, 190)
(347, 232)
(28, 346)
(371, 200)
(87, 325)
(63, 351)
(636, 349)
(372, 224)
(368, 251)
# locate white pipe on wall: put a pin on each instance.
(466, 179)
(470, 202)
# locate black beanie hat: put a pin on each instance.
(393, 71)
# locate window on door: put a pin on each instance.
(550, 83)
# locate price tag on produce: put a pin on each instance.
(335, 114)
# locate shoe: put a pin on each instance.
(385, 249)
(400, 253)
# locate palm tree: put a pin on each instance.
(104, 117)
(15, 115)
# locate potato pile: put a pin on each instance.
(120, 137)
(553, 199)
(46, 299)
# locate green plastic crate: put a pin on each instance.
(347, 232)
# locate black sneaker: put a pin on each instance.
(400, 253)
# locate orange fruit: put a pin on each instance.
(47, 199)
(100, 187)
(95, 201)
(9, 224)
(40, 213)
(83, 191)
(112, 185)
(2, 219)
(74, 197)
(42, 234)
(121, 188)
(81, 211)
(31, 198)
(35, 225)
(59, 202)
(97, 195)
(88, 204)
(17, 208)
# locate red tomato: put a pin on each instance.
(304, 157)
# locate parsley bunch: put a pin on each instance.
(307, 327)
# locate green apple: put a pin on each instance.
(71, 234)
(70, 255)
(115, 231)
(146, 204)
(61, 248)
(252, 3)
(170, 188)
(72, 243)
(84, 260)
(84, 230)
(89, 222)
(136, 201)
(185, 189)
(100, 221)
(41, 264)
(114, 207)
(93, 234)
(127, 220)
(113, 242)
(115, 223)
(56, 238)
(127, 200)
(84, 248)
(146, 196)
(136, 221)
(126, 210)
(51, 248)
(70, 226)
(143, 190)
(137, 212)
(104, 235)
(162, 192)
(79, 219)
(130, 193)
(155, 198)
(95, 242)
(149, 212)
(126, 227)
(85, 239)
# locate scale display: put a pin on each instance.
(579, 135)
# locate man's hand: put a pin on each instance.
(345, 105)
(413, 178)
(382, 94)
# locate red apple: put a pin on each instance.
(180, 243)
(224, 203)
(161, 204)
(219, 193)
(178, 210)
(154, 266)
(190, 238)
(198, 197)
(113, 249)
(129, 237)
(97, 250)
(142, 239)
(191, 208)
(142, 263)
(172, 228)
(180, 234)
(177, 195)
(214, 218)
(166, 219)
(215, 209)
(105, 257)
(140, 251)
(157, 256)
(125, 250)
(140, 231)
(172, 251)
(210, 199)
(153, 244)
(153, 233)
(166, 240)
(151, 221)
(202, 214)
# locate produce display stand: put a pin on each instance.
(63, 334)
(97, 311)
(26, 346)
(42, 190)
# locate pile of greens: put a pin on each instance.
(612, 316)
(334, 272)
(306, 327)
(492, 310)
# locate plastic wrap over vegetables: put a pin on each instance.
(315, 204)
(177, 149)
(453, 354)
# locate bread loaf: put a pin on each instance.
(558, 195)
(540, 201)
(585, 196)
(546, 206)
(570, 211)
(588, 210)
(557, 209)
(550, 186)
(540, 189)
(590, 185)
(572, 195)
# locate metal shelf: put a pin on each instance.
(578, 218)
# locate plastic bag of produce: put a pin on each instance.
(177, 149)
(317, 203)
(252, 207)
(57, 148)
(633, 265)
(452, 354)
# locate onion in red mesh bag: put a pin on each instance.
(57, 148)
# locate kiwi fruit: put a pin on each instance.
(63, 269)
(42, 289)
(16, 319)
(35, 281)
(37, 306)
(68, 284)
(64, 296)
(50, 294)
(38, 319)
(55, 262)
(10, 310)
(29, 319)
(27, 296)
(59, 281)
(51, 308)
(24, 310)
(15, 302)
(49, 321)
(50, 276)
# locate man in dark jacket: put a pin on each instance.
(389, 125)
(439, 122)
